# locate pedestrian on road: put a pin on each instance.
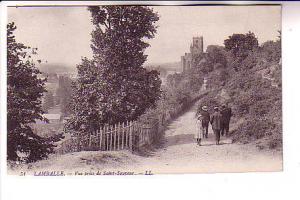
(205, 120)
(216, 124)
(199, 130)
(226, 115)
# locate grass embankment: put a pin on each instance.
(255, 96)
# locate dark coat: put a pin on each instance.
(226, 115)
(205, 117)
(216, 121)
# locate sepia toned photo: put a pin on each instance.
(143, 90)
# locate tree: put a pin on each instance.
(216, 54)
(24, 106)
(241, 44)
(113, 86)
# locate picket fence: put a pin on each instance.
(129, 135)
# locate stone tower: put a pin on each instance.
(196, 48)
(197, 45)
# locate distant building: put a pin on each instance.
(71, 75)
(196, 49)
(53, 119)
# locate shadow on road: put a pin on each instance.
(165, 142)
(149, 150)
(179, 139)
(212, 143)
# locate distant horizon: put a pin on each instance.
(62, 34)
(71, 66)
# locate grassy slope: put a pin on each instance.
(255, 95)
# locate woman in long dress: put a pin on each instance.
(199, 130)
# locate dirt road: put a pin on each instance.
(177, 154)
(180, 153)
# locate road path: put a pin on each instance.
(180, 153)
(177, 154)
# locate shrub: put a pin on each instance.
(253, 129)
(255, 98)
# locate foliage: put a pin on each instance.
(203, 65)
(174, 79)
(253, 129)
(24, 92)
(114, 87)
(180, 89)
(255, 97)
(249, 76)
(217, 55)
(272, 51)
(194, 79)
(208, 100)
(241, 45)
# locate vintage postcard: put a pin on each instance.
(98, 90)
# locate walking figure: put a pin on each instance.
(199, 131)
(226, 115)
(205, 120)
(216, 124)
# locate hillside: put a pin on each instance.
(252, 87)
(247, 76)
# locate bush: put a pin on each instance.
(254, 98)
(253, 129)
(209, 100)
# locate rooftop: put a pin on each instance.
(52, 116)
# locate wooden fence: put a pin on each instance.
(129, 135)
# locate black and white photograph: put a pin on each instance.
(97, 90)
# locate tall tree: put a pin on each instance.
(113, 86)
(24, 106)
(216, 54)
(241, 44)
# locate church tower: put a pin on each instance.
(197, 46)
(196, 49)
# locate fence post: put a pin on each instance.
(118, 141)
(127, 134)
(111, 137)
(122, 137)
(115, 136)
(130, 135)
(139, 137)
(104, 137)
(106, 133)
(90, 139)
(100, 138)
(97, 139)
(78, 143)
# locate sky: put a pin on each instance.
(62, 34)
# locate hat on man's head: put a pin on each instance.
(204, 108)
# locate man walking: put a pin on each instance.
(205, 120)
(226, 115)
(216, 124)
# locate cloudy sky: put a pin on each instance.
(62, 34)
